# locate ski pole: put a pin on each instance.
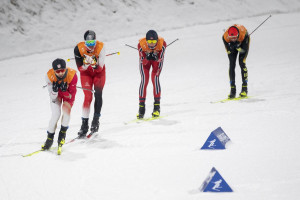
(93, 91)
(131, 46)
(260, 24)
(68, 60)
(172, 42)
(113, 53)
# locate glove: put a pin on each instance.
(64, 86)
(55, 86)
(85, 66)
(240, 50)
(151, 56)
(89, 60)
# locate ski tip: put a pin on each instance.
(92, 134)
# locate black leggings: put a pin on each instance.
(242, 62)
(98, 101)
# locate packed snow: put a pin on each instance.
(159, 159)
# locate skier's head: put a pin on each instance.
(151, 38)
(233, 33)
(90, 40)
(59, 67)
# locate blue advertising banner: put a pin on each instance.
(216, 140)
(215, 183)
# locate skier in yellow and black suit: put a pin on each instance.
(237, 40)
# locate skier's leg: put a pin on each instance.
(99, 82)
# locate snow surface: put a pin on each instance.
(161, 159)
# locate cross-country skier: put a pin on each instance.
(89, 57)
(151, 53)
(61, 83)
(237, 40)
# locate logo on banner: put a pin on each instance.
(212, 143)
(215, 183)
(216, 140)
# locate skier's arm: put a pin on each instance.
(100, 61)
(244, 45)
(72, 86)
(161, 54)
(79, 60)
(142, 55)
(226, 45)
(71, 91)
(52, 94)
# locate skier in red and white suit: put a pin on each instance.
(151, 53)
(61, 83)
(89, 57)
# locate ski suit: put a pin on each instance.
(155, 58)
(57, 99)
(241, 47)
(93, 75)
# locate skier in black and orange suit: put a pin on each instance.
(89, 57)
(151, 53)
(237, 40)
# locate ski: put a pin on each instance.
(59, 149)
(153, 118)
(88, 136)
(36, 152)
(92, 135)
(233, 99)
(143, 120)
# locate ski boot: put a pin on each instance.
(61, 138)
(232, 93)
(95, 124)
(48, 142)
(142, 110)
(156, 109)
(84, 128)
(244, 91)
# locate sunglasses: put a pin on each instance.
(232, 37)
(90, 43)
(60, 71)
(152, 41)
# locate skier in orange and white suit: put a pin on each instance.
(151, 53)
(89, 57)
(61, 84)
